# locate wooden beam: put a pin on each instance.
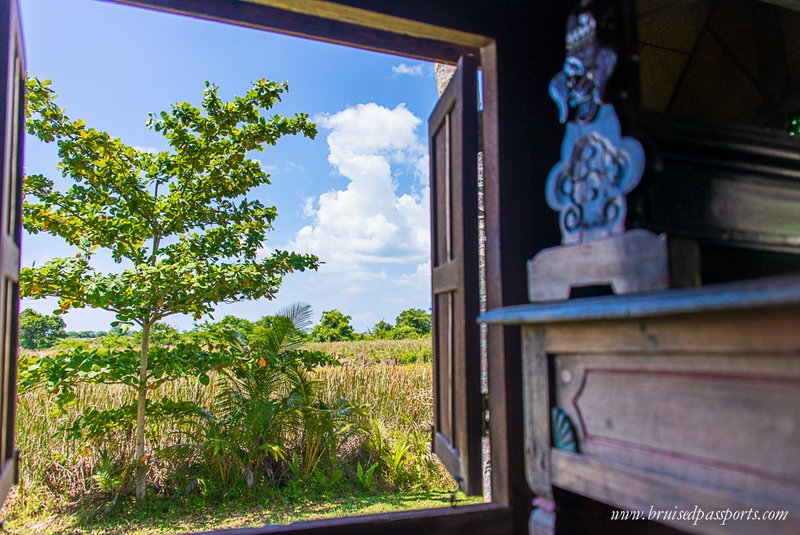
(378, 21)
(336, 24)
(521, 137)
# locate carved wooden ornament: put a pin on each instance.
(598, 165)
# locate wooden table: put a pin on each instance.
(677, 401)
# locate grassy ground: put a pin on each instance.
(59, 491)
(258, 507)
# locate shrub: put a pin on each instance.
(333, 327)
(415, 320)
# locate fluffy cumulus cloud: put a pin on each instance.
(408, 70)
(373, 235)
(370, 222)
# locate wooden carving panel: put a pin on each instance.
(729, 423)
(678, 400)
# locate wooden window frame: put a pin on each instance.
(373, 26)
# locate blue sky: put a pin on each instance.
(356, 196)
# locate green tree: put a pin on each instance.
(220, 333)
(161, 334)
(178, 220)
(382, 330)
(37, 331)
(333, 327)
(404, 332)
(416, 319)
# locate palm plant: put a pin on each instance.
(268, 410)
(270, 400)
(322, 427)
(252, 402)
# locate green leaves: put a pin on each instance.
(177, 220)
(94, 424)
(334, 326)
(107, 205)
(61, 371)
(365, 476)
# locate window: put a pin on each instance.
(393, 33)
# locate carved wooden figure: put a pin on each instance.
(598, 167)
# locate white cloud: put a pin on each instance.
(370, 222)
(409, 70)
(373, 235)
(308, 207)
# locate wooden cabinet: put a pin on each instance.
(670, 402)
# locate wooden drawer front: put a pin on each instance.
(728, 423)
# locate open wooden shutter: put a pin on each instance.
(453, 138)
(12, 81)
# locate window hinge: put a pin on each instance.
(485, 414)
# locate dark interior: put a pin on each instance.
(736, 61)
(720, 103)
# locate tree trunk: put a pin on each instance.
(141, 466)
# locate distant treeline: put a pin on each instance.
(41, 331)
(84, 334)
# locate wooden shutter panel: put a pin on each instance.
(453, 138)
(12, 82)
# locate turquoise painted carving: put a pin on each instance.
(599, 165)
(562, 430)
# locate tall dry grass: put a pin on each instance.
(398, 395)
(366, 352)
(52, 463)
(55, 469)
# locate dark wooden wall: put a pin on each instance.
(519, 155)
